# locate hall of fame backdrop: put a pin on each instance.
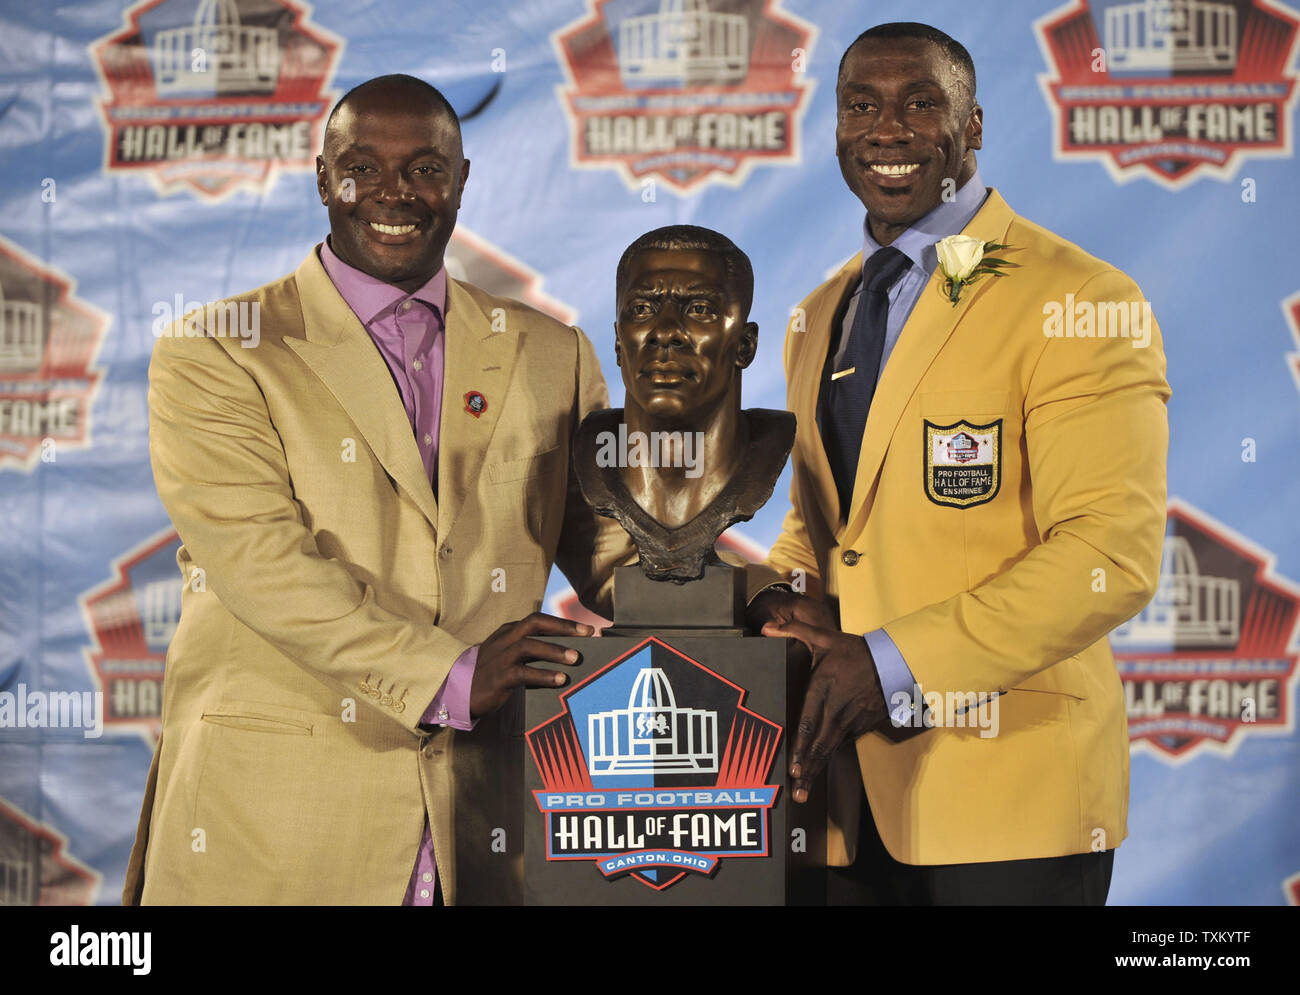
(158, 155)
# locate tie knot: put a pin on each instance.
(883, 269)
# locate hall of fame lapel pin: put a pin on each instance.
(475, 403)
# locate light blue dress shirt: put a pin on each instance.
(917, 243)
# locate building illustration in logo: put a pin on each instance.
(686, 42)
(49, 342)
(655, 769)
(962, 448)
(1213, 657)
(688, 92)
(1170, 89)
(1186, 605)
(237, 58)
(35, 866)
(215, 95)
(132, 618)
(1193, 35)
(652, 735)
(22, 335)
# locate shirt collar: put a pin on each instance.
(947, 218)
(369, 296)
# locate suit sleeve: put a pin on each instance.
(222, 475)
(590, 545)
(1097, 438)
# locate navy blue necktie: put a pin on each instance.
(846, 398)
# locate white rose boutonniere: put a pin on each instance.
(962, 260)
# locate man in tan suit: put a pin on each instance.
(367, 499)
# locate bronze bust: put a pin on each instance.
(681, 462)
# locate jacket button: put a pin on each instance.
(432, 751)
(850, 557)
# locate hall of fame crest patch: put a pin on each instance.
(963, 463)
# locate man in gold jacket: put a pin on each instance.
(967, 544)
(355, 554)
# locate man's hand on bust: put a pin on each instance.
(504, 656)
(781, 605)
(844, 699)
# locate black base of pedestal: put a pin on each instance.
(714, 602)
(658, 777)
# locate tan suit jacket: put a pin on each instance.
(328, 593)
(1010, 591)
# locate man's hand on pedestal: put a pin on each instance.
(504, 656)
(781, 605)
(844, 699)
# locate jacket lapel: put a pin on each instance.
(806, 385)
(477, 359)
(928, 327)
(337, 348)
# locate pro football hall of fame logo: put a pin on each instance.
(1212, 658)
(656, 769)
(687, 91)
(49, 341)
(215, 95)
(131, 618)
(1170, 89)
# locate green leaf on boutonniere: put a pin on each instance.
(986, 266)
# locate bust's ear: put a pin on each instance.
(747, 346)
(618, 350)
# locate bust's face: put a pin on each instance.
(682, 338)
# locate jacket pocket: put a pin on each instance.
(255, 717)
(523, 469)
(965, 404)
(1066, 677)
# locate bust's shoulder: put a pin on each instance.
(769, 428)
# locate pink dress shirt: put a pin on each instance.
(408, 330)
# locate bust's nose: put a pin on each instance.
(667, 331)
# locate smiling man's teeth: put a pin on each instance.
(392, 229)
(901, 170)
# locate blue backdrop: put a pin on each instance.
(164, 148)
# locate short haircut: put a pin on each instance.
(413, 84)
(740, 274)
(953, 50)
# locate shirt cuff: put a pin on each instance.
(450, 706)
(902, 693)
